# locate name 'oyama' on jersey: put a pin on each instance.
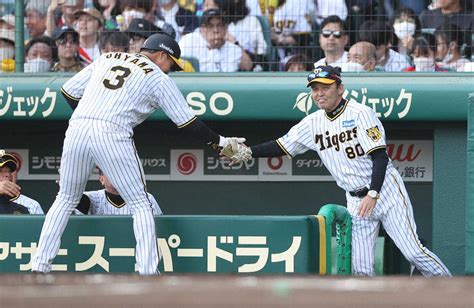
(134, 59)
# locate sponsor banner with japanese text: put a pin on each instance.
(225, 97)
(412, 158)
(200, 244)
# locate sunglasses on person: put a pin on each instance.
(313, 76)
(318, 73)
(64, 41)
(327, 33)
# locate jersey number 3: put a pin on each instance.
(120, 74)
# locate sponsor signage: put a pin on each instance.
(412, 158)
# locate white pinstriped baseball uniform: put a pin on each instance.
(32, 205)
(117, 92)
(343, 143)
(101, 204)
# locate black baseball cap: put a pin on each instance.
(64, 30)
(142, 27)
(326, 74)
(207, 15)
(164, 42)
(8, 160)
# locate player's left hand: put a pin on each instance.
(366, 206)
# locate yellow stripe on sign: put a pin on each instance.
(322, 244)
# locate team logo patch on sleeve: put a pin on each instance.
(374, 133)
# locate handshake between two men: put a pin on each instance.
(236, 150)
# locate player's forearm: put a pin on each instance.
(201, 131)
(380, 161)
(267, 149)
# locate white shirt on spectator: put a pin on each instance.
(468, 67)
(458, 66)
(170, 18)
(325, 8)
(292, 17)
(254, 7)
(248, 32)
(225, 59)
(396, 62)
(338, 62)
(93, 52)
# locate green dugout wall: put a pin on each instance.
(428, 112)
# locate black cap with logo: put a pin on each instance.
(211, 13)
(164, 42)
(142, 27)
(64, 30)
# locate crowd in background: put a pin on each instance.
(248, 35)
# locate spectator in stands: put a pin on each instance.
(108, 201)
(209, 46)
(89, 22)
(449, 40)
(9, 189)
(457, 12)
(36, 11)
(40, 53)
(380, 34)
(7, 22)
(113, 41)
(292, 27)
(61, 13)
(110, 9)
(326, 8)
(138, 31)
(406, 26)
(423, 54)
(361, 58)
(183, 21)
(298, 63)
(132, 9)
(243, 29)
(7, 50)
(333, 38)
(67, 41)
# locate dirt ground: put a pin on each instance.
(98, 290)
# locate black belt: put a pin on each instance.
(360, 192)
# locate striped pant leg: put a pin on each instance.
(364, 235)
(116, 155)
(76, 167)
(399, 222)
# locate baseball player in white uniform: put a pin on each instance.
(350, 141)
(107, 201)
(111, 96)
(8, 187)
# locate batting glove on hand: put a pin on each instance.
(237, 151)
(225, 141)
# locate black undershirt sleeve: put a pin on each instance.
(267, 149)
(84, 205)
(199, 130)
(380, 161)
